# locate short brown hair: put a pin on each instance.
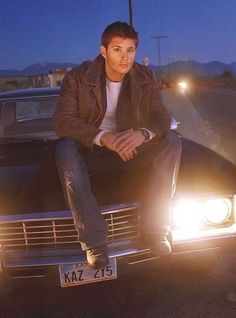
(121, 29)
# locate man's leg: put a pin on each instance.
(160, 189)
(161, 158)
(91, 226)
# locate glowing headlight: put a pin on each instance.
(217, 211)
(191, 214)
(187, 214)
(183, 85)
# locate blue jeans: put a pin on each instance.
(75, 163)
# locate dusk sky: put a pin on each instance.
(69, 31)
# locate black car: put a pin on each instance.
(37, 230)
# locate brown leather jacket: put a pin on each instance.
(82, 103)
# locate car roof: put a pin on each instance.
(30, 93)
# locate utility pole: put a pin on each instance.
(130, 12)
(158, 38)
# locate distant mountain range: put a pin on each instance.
(213, 68)
(35, 69)
(210, 69)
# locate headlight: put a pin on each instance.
(183, 86)
(187, 214)
(217, 211)
(191, 214)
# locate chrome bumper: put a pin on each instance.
(42, 240)
(131, 249)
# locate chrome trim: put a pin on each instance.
(57, 229)
(174, 124)
(149, 258)
(126, 248)
(28, 276)
(27, 229)
(20, 98)
(65, 214)
(181, 237)
(30, 93)
(36, 136)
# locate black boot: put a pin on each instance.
(97, 256)
(159, 244)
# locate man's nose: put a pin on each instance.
(124, 55)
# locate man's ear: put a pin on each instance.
(103, 51)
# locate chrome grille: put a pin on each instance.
(59, 231)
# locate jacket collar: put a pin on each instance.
(96, 71)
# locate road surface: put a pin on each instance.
(206, 116)
(179, 291)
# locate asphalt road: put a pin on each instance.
(217, 108)
(206, 116)
(178, 290)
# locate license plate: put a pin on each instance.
(81, 273)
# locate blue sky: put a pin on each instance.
(69, 31)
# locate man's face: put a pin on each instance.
(119, 57)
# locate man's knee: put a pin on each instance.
(174, 142)
(69, 161)
(65, 144)
(170, 144)
(66, 150)
(65, 147)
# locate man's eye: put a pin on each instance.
(131, 50)
(116, 49)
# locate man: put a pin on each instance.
(111, 117)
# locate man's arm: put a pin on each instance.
(156, 125)
(66, 120)
(158, 118)
(155, 120)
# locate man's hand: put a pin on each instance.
(123, 143)
(129, 140)
(108, 140)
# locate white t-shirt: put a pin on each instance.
(109, 120)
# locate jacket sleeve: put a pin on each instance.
(159, 118)
(66, 120)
